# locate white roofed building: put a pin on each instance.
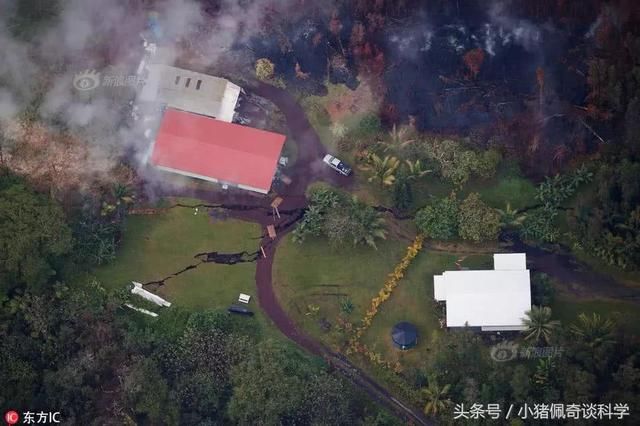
(190, 91)
(493, 300)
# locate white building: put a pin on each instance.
(493, 300)
(190, 91)
(184, 89)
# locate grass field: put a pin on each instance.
(159, 245)
(316, 274)
(412, 301)
(626, 314)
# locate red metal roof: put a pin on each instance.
(226, 152)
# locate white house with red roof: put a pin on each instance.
(196, 136)
(216, 151)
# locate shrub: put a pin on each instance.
(542, 292)
(477, 221)
(265, 69)
(487, 163)
(439, 220)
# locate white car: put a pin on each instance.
(337, 165)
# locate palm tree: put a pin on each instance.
(398, 138)
(594, 330)
(382, 169)
(370, 225)
(510, 217)
(579, 176)
(436, 398)
(545, 371)
(539, 323)
(120, 197)
(415, 170)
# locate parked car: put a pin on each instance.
(337, 165)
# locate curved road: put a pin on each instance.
(308, 168)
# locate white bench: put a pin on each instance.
(244, 298)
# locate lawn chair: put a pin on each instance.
(244, 298)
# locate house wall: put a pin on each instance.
(214, 180)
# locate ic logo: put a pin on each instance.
(11, 417)
(504, 351)
(86, 80)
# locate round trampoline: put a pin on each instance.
(404, 335)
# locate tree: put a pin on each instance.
(95, 240)
(594, 331)
(382, 170)
(439, 220)
(415, 170)
(457, 163)
(486, 163)
(540, 326)
(339, 217)
(510, 217)
(402, 194)
(542, 292)
(265, 69)
(546, 379)
(368, 224)
(116, 203)
(539, 225)
(473, 59)
(477, 221)
(520, 383)
(436, 398)
(579, 385)
(147, 393)
(33, 235)
(275, 384)
(606, 221)
(399, 138)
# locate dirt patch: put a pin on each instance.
(343, 102)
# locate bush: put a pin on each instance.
(439, 220)
(539, 225)
(458, 163)
(402, 194)
(477, 221)
(369, 125)
(542, 292)
(339, 217)
(487, 163)
(265, 69)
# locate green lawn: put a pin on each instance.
(314, 273)
(159, 245)
(517, 191)
(626, 314)
(412, 301)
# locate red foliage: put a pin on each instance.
(335, 26)
(389, 114)
(473, 59)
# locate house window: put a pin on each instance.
(198, 84)
(188, 82)
(177, 79)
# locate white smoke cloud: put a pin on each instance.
(106, 35)
(505, 29)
